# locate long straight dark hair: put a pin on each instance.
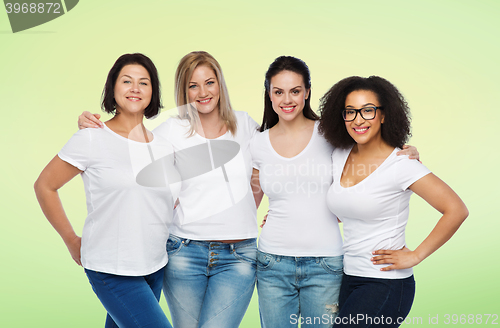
(280, 64)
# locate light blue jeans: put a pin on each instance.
(209, 284)
(295, 290)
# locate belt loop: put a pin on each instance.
(231, 247)
(186, 242)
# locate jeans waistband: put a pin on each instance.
(300, 258)
(211, 244)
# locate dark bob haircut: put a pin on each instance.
(108, 94)
(396, 128)
(280, 64)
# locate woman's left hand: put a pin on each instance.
(411, 151)
(400, 259)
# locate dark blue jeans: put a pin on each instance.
(130, 301)
(372, 302)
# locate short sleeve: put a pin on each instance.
(77, 150)
(254, 151)
(253, 127)
(409, 171)
(339, 156)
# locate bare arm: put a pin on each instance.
(54, 176)
(440, 196)
(256, 189)
(89, 120)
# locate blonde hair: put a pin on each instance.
(184, 72)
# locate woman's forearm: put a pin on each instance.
(52, 209)
(442, 232)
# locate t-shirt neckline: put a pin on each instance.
(301, 152)
(127, 139)
(386, 160)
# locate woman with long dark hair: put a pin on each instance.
(299, 261)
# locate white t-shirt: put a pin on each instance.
(299, 222)
(126, 228)
(374, 212)
(216, 201)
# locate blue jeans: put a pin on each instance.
(374, 302)
(295, 290)
(209, 284)
(130, 301)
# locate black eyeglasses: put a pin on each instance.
(367, 113)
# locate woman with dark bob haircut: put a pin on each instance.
(367, 120)
(122, 247)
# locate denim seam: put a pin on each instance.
(401, 297)
(249, 289)
(172, 297)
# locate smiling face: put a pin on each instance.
(361, 130)
(203, 90)
(132, 89)
(288, 94)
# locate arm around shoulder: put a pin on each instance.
(256, 189)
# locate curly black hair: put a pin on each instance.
(280, 64)
(396, 127)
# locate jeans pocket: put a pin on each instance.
(265, 261)
(333, 264)
(246, 254)
(174, 245)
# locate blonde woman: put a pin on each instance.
(211, 273)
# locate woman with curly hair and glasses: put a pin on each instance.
(367, 121)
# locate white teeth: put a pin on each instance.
(133, 98)
(204, 101)
(288, 108)
(361, 130)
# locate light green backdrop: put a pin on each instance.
(443, 55)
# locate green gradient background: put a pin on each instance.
(443, 55)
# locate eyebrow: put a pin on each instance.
(365, 105)
(142, 78)
(299, 86)
(210, 78)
